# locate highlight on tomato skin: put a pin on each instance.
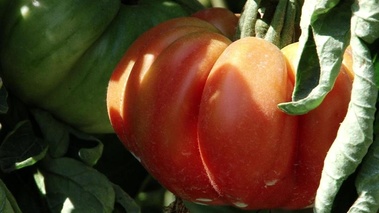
(201, 114)
(348, 61)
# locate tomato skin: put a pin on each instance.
(223, 19)
(201, 113)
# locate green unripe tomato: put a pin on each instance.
(59, 55)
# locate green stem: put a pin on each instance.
(272, 20)
(246, 25)
(288, 34)
(273, 34)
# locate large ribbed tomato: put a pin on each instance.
(200, 112)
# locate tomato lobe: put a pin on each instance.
(240, 124)
(168, 98)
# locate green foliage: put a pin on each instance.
(8, 203)
(52, 167)
(21, 148)
(63, 162)
(70, 184)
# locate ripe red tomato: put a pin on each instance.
(201, 114)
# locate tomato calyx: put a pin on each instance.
(274, 21)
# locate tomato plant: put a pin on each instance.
(200, 112)
(170, 92)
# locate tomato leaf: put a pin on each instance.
(355, 135)
(120, 166)
(325, 34)
(63, 139)
(21, 148)
(3, 99)
(53, 132)
(85, 148)
(8, 203)
(70, 184)
(125, 201)
(309, 68)
(368, 177)
(376, 68)
(3, 7)
(91, 155)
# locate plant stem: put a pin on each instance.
(246, 25)
(274, 31)
(273, 20)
